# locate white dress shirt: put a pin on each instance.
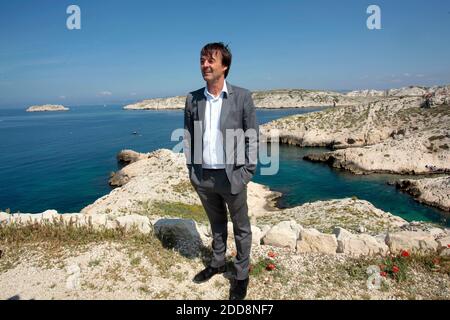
(213, 156)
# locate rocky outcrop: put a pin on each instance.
(431, 191)
(299, 98)
(419, 153)
(129, 156)
(125, 157)
(295, 98)
(356, 215)
(158, 103)
(392, 135)
(366, 93)
(163, 172)
(438, 93)
(47, 107)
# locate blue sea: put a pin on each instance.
(62, 161)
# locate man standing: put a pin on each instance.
(220, 167)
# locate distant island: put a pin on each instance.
(300, 98)
(47, 107)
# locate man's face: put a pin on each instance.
(211, 67)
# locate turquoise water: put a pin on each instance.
(62, 161)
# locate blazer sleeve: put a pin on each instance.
(251, 130)
(188, 132)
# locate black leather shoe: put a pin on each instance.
(238, 290)
(207, 273)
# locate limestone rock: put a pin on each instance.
(411, 241)
(358, 245)
(444, 243)
(50, 216)
(4, 217)
(311, 240)
(73, 279)
(47, 107)
(284, 234)
(432, 191)
(129, 156)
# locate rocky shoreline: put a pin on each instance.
(141, 183)
(47, 107)
(301, 98)
(393, 134)
(431, 191)
(270, 99)
(338, 230)
(154, 201)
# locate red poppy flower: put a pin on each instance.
(270, 267)
(271, 254)
(395, 269)
(405, 253)
(383, 274)
(448, 246)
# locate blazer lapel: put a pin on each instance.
(227, 105)
(201, 107)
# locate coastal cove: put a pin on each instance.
(62, 161)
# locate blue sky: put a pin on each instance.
(130, 50)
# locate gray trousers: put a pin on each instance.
(215, 194)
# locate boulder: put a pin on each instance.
(264, 229)
(50, 215)
(257, 235)
(141, 223)
(311, 240)
(443, 243)
(358, 245)
(4, 217)
(284, 234)
(129, 156)
(180, 234)
(411, 240)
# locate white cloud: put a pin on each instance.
(105, 93)
(62, 97)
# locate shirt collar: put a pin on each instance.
(224, 90)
